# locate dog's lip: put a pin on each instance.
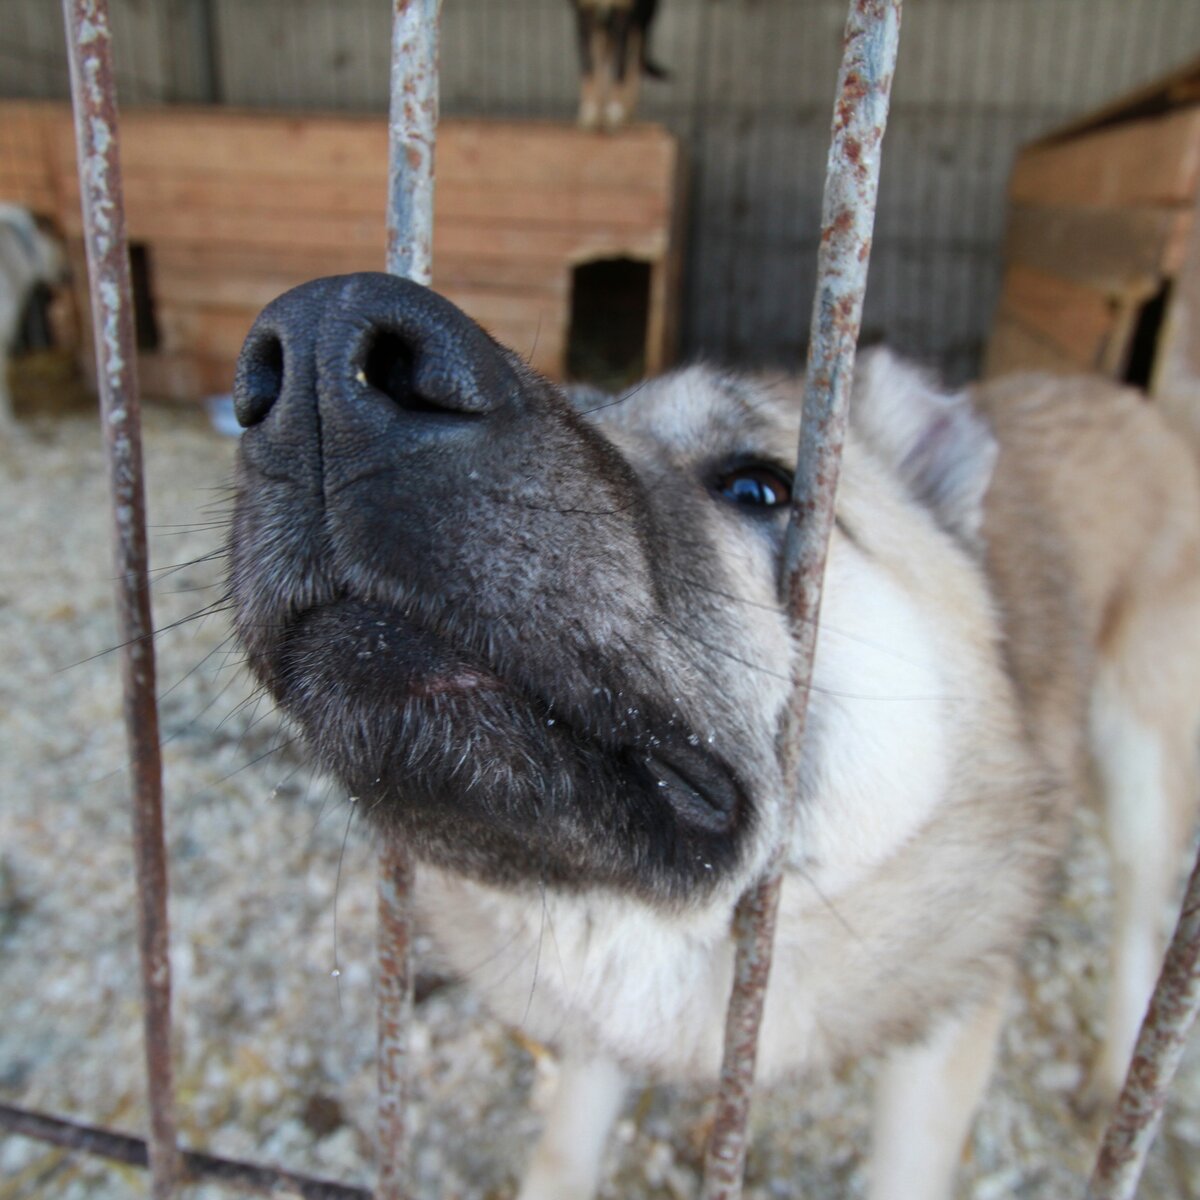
(423, 664)
(700, 789)
(456, 683)
(697, 785)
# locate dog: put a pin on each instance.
(29, 257)
(613, 38)
(542, 642)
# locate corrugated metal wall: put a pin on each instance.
(750, 93)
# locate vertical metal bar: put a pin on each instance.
(1156, 1057)
(395, 1004)
(847, 219)
(93, 90)
(412, 130)
(754, 934)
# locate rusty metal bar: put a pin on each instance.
(412, 130)
(196, 1167)
(93, 90)
(1156, 1057)
(847, 220)
(754, 934)
(394, 999)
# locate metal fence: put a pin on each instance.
(860, 114)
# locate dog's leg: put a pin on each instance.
(925, 1101)
(590, 34)
(566, 1160)
(625, 70)
(1144, 724)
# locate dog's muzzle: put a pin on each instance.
(443, 573)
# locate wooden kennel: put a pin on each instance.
(227, 209)
(1102, 249)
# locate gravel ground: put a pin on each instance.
(272, 889)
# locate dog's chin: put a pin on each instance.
(486, 778)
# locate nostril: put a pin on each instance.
(390, 367)
(260, 379)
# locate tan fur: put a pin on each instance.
(1094, 475)
(1091, 529)
(1094, 503)
(502, 646)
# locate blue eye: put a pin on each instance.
(756, 486)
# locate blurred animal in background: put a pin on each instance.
(614, 38)
(30, 258)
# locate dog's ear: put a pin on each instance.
(940, 447)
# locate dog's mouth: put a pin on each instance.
(380, 646)
(477, 768)
(449, 580)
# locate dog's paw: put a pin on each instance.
(589, 113)
(616, 114)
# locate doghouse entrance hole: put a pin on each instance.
(610, 305)
(145, 315)
(36, 331)
(1143, 346)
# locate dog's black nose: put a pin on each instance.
(334, 368)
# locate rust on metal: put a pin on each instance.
(412, 130)
(395, 1005)
(196, 1167)
(847, 219)
(754, 933)
(93, 90)
(1156, 1057)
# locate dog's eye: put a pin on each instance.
(756, 486)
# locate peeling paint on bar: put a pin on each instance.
(94, 96)
(847, 219)
(412, 132)
(1156, 1057)
(395, 1004)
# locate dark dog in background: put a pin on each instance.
(614, 38)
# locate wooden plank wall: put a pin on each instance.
(1098, 223)
(234, 208)
(1176, 379)
(749, 96)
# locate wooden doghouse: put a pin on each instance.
(1102, 250)
(539, 229)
